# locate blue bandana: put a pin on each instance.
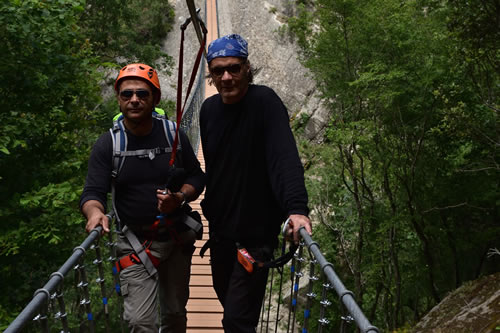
(228, 46)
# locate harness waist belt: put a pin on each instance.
(133, 259)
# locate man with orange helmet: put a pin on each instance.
(142, 190)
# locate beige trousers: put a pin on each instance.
(169, 286)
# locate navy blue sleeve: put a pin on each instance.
(283, 162)
(98, 181)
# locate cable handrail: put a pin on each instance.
(346, 296)
(43, 295)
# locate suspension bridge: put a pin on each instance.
(84, 294)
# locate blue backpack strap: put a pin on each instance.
(119, 139)
(169, 128)
(120, 142)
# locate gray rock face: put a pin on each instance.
(258, 22)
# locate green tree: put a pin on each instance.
(49, 84)
(56, 52)
(410, 155)
(121, 31)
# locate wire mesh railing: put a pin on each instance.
(92, 303)
(191, 117)
(75, 307)
(283, 300)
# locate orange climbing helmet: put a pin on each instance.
(140, 71)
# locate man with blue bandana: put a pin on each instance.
(255, 180)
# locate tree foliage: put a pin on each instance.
(54, 54)
(410, 156)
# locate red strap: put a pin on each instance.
(133, 259)
(124, 262)
(180, 110)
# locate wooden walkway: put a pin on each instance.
(204, 310)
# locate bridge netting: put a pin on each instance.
(84, 294)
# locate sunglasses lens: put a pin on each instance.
(218, 71)
(127, 94)
(142, 94)
(232, 69)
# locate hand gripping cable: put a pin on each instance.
(249, 263)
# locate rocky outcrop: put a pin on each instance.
(168, 81)
(474, 307)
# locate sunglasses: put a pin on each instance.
(127, 94)
(234, 69)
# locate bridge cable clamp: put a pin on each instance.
(42, 290)
(61, 275)
(347, 292)
(80, 248)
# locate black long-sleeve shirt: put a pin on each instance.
(139, 178)
(254, 175)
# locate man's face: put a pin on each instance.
(230, 76)
(135, 98)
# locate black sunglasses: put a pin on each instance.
(233, 69)
(127, 94)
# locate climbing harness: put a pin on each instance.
(162, 224)
(248, 262)
(133, 259)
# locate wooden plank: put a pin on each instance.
(200, 261)
(205, 256)
(201, 280)
(204, 305)
(204, 320)
(200, 243)
(201, 269)
(202, 292)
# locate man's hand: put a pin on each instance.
(94, 212)
(168, 202)
(295, 223)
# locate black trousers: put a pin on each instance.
(239, 292)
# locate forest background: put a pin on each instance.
(404, 184)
